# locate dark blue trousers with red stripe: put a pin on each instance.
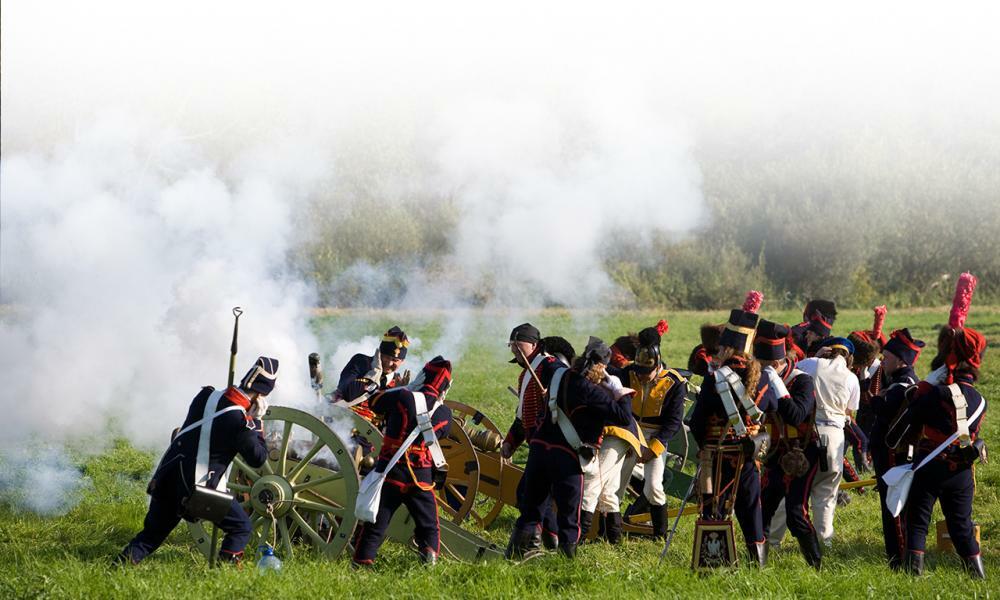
(893, 528)
(794, 490)
(422, 505)
(163, 516)
(857, 439)
(954, 486)
(551, 474)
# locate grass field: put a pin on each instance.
(68, 556)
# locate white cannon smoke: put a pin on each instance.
(156, 174)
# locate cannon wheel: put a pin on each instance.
(308, 501)
(486, 507)
(458, 496)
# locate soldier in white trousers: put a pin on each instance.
(602, 486)
(838, 392)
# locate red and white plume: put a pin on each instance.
(879, 321)
(662, 327)
(963, 300)
(753, 301)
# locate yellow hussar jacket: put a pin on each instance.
(658, 404)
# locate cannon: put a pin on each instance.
(499, 477)
(302, 498)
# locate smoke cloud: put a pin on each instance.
(160, 162)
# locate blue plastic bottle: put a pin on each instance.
(268, 561)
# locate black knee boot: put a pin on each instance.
(523, 544)
(568, 550)
(613, 528)
(758, 554)
(974, 565)
(428, 557)
(658, 514)
(586, 522)
(809, 544)
(914, 563)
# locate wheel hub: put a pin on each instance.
(273, 490)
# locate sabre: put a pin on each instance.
(237, 311)
(680, 511)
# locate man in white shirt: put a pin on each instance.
(838, 393)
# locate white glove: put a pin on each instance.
(776, 384)
(258, 407)
(938, 376)
(617, 389)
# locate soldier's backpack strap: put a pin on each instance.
(961, 417)
(751, 409)
(726, 394)
(558, 416)
(201, 472)
(426, 427)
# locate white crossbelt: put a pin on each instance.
(961, 418)
(427, 429)
(558, 416)
(947, 442)
(726, 382)
(201, 472)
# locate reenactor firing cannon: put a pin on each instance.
(304, 495)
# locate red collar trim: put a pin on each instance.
(237, 397)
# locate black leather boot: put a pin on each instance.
(568, 550)
(914, 563)
(524, 544)
(428, 557)
(974, 565)
(758, 554)
(550, 541)
(809, 544)
(586, 522)
(613, 528)
(658, 515)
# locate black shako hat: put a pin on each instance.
(261, 377)
(769, 343)
(394, 343)
(739, 330)
(902, 344)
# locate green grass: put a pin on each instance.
(68, 556)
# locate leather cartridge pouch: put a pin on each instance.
(439, 475)
(794, 462)
(208, 504)
(755, 446)
(976, 451)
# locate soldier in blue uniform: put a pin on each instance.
(554, 473)
(365, 375)
(946, 411)
(235, 429)
(658, 408)
(410, 483)
(794, 458)
(817, 325)
(712, 428)
(900, 354)
(530, 354)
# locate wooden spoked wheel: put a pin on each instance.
(498, 478)
(303, 496)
